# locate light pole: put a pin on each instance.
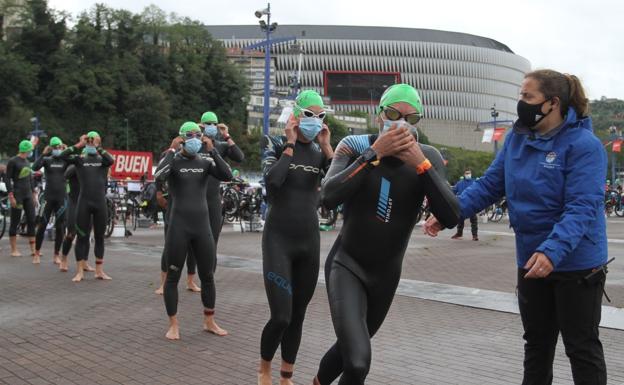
(613, 136)
(268, 28)
(494, 115)
(37, 132)
(495, 122)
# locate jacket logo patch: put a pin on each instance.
(550, 157)
(550, 163)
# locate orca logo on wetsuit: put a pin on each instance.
(314, 170)
(57, 165)
(279, 281)
(99, 164)
(193, 170)
(384, 204)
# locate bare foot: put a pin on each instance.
(78, 277)
(36, 259)
(286, 381)
(160, 290)
(174, 331)
(192, 286)
(211, 327)
(57, 259)
(103, 276)
(264, 379)
(88, 267)
(16, 253)
(63, 265)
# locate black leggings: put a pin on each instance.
(215, 208)
(70, 217)
(290, 277)
(191, 265)
(57, 208)
(357, 311)
(28, 206)
(88, 215)
(179, 239)
(562, 302)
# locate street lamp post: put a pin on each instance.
(37, 132)
(494, 115)
(268, 28)
(613, 137)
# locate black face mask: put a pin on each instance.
(531, 114)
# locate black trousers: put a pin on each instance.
(562, 302)
(474, 226)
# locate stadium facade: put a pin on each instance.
(459, 76)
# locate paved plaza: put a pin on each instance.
(53, 331)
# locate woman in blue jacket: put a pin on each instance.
(552, 169)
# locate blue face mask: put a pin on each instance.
(90, 150)
(210, 130)
(310, 127)
(399, 123)
(56, 152)
(192, 146)
(30, 154)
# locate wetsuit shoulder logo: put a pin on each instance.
(193, 170)
(302, 167)
(384, 204)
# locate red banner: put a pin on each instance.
(499, 132)
(617, 146)
(131, 164)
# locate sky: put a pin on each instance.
(584, 38)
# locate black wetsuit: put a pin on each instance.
(19, 182)
(363, 269)
(55, 199)
(91, 210)
(189, 222)
(73, 192)
(290, 241)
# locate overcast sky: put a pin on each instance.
(585, 38)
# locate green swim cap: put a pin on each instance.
(93, 134)
(25, 146)
(306, 99)
(55, 141)
(188, 126)
(401, 93)
(209, 117)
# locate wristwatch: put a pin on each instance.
(289, 145)
(370, 156)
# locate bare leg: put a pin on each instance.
(57, 259)
(79, 272)
(174, 329)
(99, 270)
(87, 267)
(14, 251)
(63, 264)
(286, 373)
(33, 252)
(191, 285)
(210, 325)
(161, 289)
(264, 373)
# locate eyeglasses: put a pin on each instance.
(394, 114)
(193, 134)
(309, 114)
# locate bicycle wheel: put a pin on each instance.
(619, 208)
(110, 223)
(498, 214)
(231, 205)
(3, 216)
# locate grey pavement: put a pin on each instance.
(53, 331)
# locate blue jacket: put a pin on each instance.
(462, 185)
(554, 189)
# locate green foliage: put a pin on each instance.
(114, 70)
(338, 130)
(459, 159)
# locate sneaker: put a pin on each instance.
(475, 238)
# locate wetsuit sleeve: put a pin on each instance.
(10, 170)
(107, 158)
(70, 172)
(487, 190)
(220, 170)
(347, 171)
(164, 167)
(234, 152)
(39, 163)
(274, 170)
(583, 199)
(442, 201)
(68, 155)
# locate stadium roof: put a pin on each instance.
(224, 32)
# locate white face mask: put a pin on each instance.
(399, 123)
(468, 176)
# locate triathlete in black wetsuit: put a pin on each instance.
(187, 174)
(381, 180)
(19, 186)
(290, 241)
(55, 195)
(73, 192)
(228, 149)
(92, 169)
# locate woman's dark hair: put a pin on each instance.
(567, 88)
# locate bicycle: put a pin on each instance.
(498, 211)
(230, 201)
(5, 208)
(250, 203)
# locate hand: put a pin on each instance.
(223, 129)
(290, 130)
(432, 227)
(208, 142)
(413, 155)
(160, 199)
(12, 201)
(393, 141)
(97, 141)
(81, 142)
(47, 150)
(176, 142)
(324, 136)
(539, 266)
